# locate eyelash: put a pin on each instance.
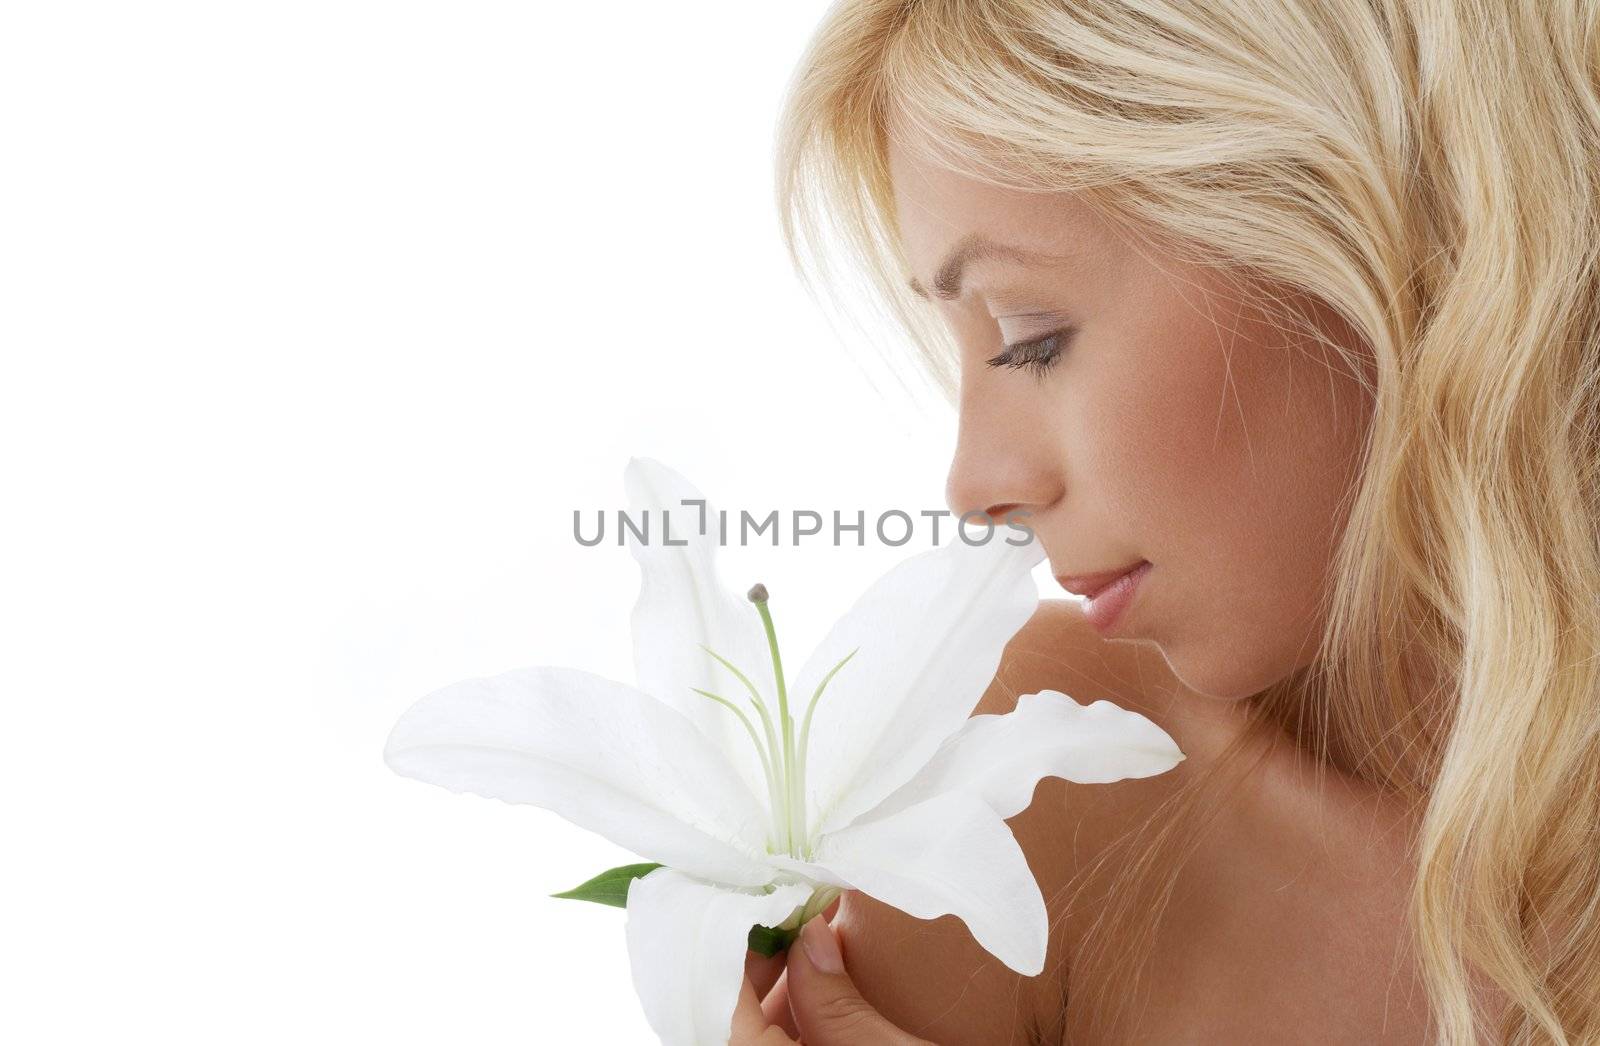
(1038, 355)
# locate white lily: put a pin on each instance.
(868, 773)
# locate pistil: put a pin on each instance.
(782, 763)
(794, 805)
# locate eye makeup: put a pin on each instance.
(1036, 355)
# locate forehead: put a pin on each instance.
(937, 206)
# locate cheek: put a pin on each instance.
(1227, 461)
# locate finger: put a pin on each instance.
(750, 1028)
(763, 970)
(775, 1007)
(828, 1010)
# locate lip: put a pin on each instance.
(1089, 585)
(1107, 602)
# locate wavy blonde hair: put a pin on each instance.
(1430, 169)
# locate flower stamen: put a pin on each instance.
(805, 734)
(766, 764)
(755, 699)
(782, 763)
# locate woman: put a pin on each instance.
(1298, 303)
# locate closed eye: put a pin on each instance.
(1037, 355)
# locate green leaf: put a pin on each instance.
(610, 886)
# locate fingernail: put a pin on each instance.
(822, 949)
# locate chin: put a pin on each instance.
(1219, 672)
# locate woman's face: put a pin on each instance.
(1174, 425)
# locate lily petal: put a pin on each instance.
(682, 604)
(600, 753)
(1000, 758)
(949, 855)
(929, 633)
(686, 945)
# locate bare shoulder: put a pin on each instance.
(954, 992)
(1286, 922)
(1278, 922)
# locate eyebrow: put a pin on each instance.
(970, 248)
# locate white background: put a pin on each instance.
(319, 320)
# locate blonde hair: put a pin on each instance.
(1429, 169)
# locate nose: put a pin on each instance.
(1000, 468)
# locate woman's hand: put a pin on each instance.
(810, 999)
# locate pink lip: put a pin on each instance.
(1110, 597)
(1089, 585)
